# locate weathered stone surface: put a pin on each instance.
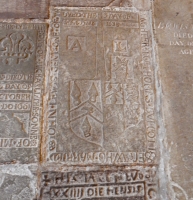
(139, 4)
(105, 184)
(107, 89)
(174, 33)
(96, 3)
(101, 103)
(22, 52)
(18, 182)
(24, 9)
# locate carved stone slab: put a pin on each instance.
(124, 184)
(24, 9)
(22, 52)
(174, 34)
(101, 87)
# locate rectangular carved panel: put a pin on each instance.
(101, 101)
(124, 184)
(22, 52)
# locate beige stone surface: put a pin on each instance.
(174, 33)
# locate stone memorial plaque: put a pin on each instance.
(124, 184)
(101, 101)
(174, 36)
(22, 52)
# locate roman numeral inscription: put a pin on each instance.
(132, 184)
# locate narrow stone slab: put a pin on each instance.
(101, 103)
(106, 184)
(22, 52)
(174, 34)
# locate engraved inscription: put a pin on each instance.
(133, 184)
(22, 52)
(120, 46)
(76, 43)
(101, 88)
(179, 36)
(79, 31)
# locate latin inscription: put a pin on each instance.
(123, 184)
(101, 91)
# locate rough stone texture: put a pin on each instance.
(18, 182)
(22, 52)
(174, 33)
(24, 9)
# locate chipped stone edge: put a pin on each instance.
(163, 169)
(22, 170)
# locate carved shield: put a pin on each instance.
(86, 116)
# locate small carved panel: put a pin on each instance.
(101, 88)
(22, 52)
(130, 184)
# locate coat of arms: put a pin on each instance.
(86, 116)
